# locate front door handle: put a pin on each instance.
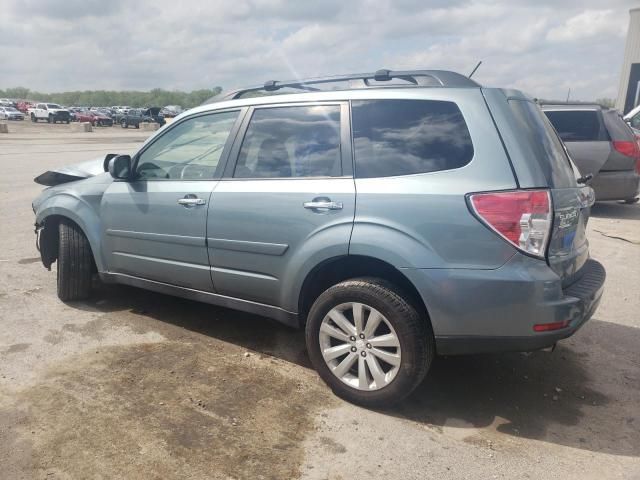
(322, 203)
(190, 200)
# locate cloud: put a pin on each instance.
(588, 24)
(541, 46)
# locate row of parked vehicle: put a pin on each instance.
(124, 116)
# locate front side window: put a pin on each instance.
(283, 142)
(403, 137)
(189, 151)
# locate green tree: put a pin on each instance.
(102, 98)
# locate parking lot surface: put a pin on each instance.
(133, 384)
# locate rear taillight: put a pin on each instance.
(629, 149)
(523, 217)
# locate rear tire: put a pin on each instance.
(33, 118)
(412, 333)
(74, 263)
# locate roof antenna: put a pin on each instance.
(474, 70)
(568, 94)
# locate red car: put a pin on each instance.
(23, 106)
(96, 119)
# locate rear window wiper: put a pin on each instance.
(585, 179)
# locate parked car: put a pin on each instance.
(6, 102)
(11, 113)
(105, 111)
(633, 118)
(414, 213)
(136, 116)
(600, 144)
(51, 112)
(171, 111)
(96, 118)
(120, 108)
(24, 106)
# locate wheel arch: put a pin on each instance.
(82, 216)
(337, 269)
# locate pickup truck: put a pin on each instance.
(51, 112)
(136, 116)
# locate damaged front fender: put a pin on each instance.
(77, 171)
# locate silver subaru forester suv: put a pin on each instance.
(393, 215)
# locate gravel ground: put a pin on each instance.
(133, 384)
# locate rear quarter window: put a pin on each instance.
(404, 137)
(577, 125)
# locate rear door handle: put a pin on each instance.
(322, 204)
(190, 200)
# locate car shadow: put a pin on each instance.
(553, 397)
(615, 210)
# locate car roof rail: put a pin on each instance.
(380, 79)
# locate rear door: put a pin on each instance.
(583, 132)
(286, 204)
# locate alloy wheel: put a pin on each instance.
(360, 346)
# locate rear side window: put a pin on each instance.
(577, 125)
(299, 141)
(404, 137)
(545, 143)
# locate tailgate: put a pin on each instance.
(568, 248)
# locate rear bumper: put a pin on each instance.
(616, 185)
(495, 310)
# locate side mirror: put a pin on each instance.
(107, 159)
(120, 167)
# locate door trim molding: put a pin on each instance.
(283, 316)
(157, 237)
(264, 248)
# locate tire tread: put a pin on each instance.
(74, 263)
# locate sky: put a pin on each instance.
(543, 47)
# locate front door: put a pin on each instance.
(155, 225)
(285, 204)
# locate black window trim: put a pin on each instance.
(223, 156)
(346, 161)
